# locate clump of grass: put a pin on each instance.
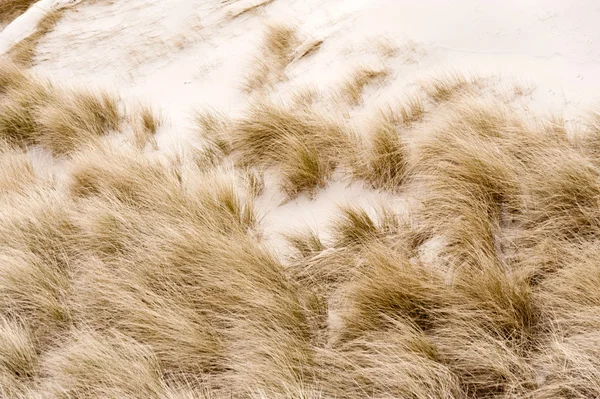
(487, 365)
(23, 52)
(391, 288)
(60, 120)
(589, 141)
(146, 122)
(18, 174)
(188, 316)
(276, 52)
(411, 111)
(213, 127)
(11, 9)
(35, 251)
(386, 155)
(305, 97)
(565, 297)
(356, 227)
(386, 47)
(302, 144)
(148, 119)
(473, 187)
(563, 195)
(124, 179)
(18, 124)
(305, 169)
(10, 76)
(306, 243)
(75, 118)
(18, 358)
(447, 86)
(389, 364)
(382, 156)
(522, 88)
(353, 87)
(94, 364)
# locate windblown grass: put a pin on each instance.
(35, 112)
(19, 358)
(11, 9)
(277, 50)
(448, 85)
(23, 52)
(146, 276)
(302, 144)
(352, 89)
(18, 174)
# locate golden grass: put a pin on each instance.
(10, 76)
(148, 119)
(139, 276)
(448, 85)
(353, 87)
(35, 112)
(386, 163)
(18, 174)
(23, 52)
(11, 9)
(302, 144)
(213, 127)
(277, 50)
(76, 118)
(145, 123)
(19, 358)
(96, 365)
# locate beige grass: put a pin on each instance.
(11, 9)
(353, 87)
(448, 85)
(18, 174)
(144, 276)
(23, 53)
(19, 364)
(36, 112)
(302, 144)
(277, 50)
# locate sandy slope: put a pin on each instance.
(184, 54)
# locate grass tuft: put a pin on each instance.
(11, 9)
(352, 89)
(23, 52)
(448, 86)
(302, 144)
(277, 50)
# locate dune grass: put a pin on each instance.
(145, 276)
(277, 50)
(445, 86)
(23, 52)
(353, 87)
(303, 145)
(11, 9)
(37, 112)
